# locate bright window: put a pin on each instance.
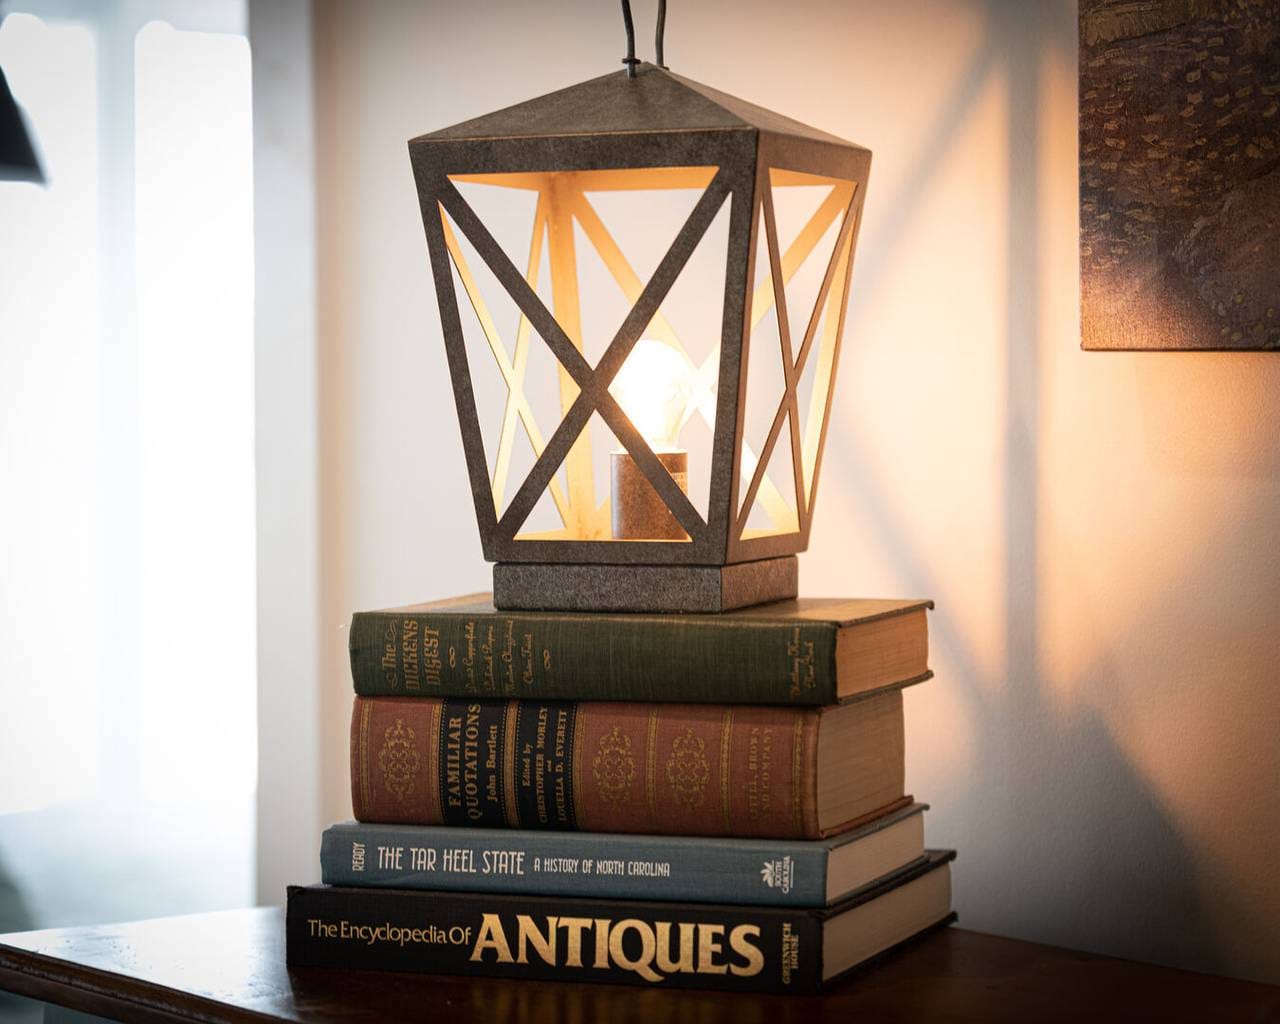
(127, 565)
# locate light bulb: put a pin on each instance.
(654, 387)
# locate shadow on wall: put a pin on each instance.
(1130, 905)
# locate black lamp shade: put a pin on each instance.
(18, 161)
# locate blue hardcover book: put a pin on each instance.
(763, 872)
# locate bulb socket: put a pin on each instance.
(637, 511)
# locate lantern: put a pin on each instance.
(641, 457)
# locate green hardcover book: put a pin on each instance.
(812, 651)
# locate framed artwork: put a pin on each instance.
(1180, 174)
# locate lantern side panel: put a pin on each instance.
(563, 501)
(804, 233)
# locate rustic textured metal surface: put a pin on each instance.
(612, 104)
(771, 579)
(643, 588)
(1180, 174)
(656, 120)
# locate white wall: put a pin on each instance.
(286, 445)
(1099, 530)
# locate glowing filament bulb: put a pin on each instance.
(654, 388)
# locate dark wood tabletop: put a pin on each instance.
(230, 967)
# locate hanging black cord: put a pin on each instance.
(630, 59)
(657, 35)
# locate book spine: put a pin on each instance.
(670, 769)
(582, 865)
(687, 658)
(661, 945)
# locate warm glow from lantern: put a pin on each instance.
(654, 387)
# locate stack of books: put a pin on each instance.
(666, 800)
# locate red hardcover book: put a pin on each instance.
(676, 769)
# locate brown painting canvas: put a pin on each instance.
(1180, 174)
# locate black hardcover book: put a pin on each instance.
(682, 945)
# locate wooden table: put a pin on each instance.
(230, 967)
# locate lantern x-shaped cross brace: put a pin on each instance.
(838, 202)
(511, 368)
(703, 402)
(793, 367)
(593, 384)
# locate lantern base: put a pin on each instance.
(534, 586)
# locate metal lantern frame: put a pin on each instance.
(653, 130)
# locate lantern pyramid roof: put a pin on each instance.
(655, 100)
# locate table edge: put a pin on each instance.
(93, 990)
